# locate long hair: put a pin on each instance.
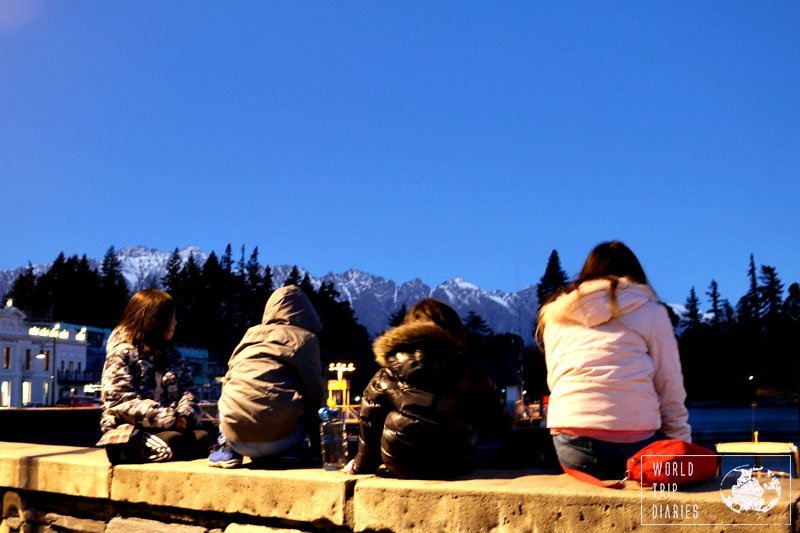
(608, 260)
(440, 314)
(147, 319)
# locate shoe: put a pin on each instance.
(224, 457)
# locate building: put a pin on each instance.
(35, 357)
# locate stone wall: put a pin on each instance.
(60, 488)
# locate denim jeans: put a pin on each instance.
(602, 459)
(267, 449)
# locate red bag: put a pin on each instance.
(672, 461)
(664, 461)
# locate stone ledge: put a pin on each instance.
(313, 498)
(531, 501)
(61, 469)
(264, 493)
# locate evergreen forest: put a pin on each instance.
(731, 350)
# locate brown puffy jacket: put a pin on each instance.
(419, 413)
(274, 383)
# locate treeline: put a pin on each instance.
(730, 351)
(217, 300)
(752, 348)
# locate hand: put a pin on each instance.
(350, 467)
(157, 449)
(182, 422)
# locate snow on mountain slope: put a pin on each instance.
(373, 298)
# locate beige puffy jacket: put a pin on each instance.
(274, 384)
(613, 367)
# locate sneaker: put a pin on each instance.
(224, 457)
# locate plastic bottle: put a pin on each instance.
(332, 438)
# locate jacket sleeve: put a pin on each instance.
(668, 377)
(121, 400)
(309, 368)
(374, 410)
(188, 405)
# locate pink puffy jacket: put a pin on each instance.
(613, 369)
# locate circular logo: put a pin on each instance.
(743, 491)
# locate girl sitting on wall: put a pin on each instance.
(149, 406)
(612, 365)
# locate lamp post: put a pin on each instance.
(52, 365)
(53, 334)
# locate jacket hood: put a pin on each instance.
(291, 307)
(591, 305)
(413, 333)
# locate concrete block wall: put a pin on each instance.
(60, 488)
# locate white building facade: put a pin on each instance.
(32, 356)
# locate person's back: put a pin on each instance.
(605, 370)
(612, 365)
(419, 412)
(274, 383)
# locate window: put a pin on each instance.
(26, 393)
(46, 390)
(62, 365)
(71, 366)
(5, 394)
(47, 359)
(79, 366)
(6, 357)
(27, 359)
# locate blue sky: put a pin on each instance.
(426, 140)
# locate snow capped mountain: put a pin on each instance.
(373, 298)
(143, 267)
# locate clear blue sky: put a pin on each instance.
(416, 139)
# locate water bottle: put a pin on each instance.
(332, 438)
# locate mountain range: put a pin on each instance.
(373, 298)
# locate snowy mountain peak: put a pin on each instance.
(373, 298)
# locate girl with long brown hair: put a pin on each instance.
(612, 365)
(150, 409)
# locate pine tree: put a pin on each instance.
(396, 318)
(253, 271)
(553, 279)
(692, 317)
(293, 278)
(23, 290)
(188, 306)
(211, 313)
(172, 275)
(791, 306)
(306, 285)
(268, 288)
(226, 261)
(475, 325)
(728, 314)
(113, 287)
(714, 298)
(770, 294)
(87, 287)
(240, 264)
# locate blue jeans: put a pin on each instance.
(602, 459)
(266, 449)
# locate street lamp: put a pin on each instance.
(43, 355)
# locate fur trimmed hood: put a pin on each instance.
(590, 303)
(413, 333)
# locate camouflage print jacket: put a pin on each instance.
(139, 393)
